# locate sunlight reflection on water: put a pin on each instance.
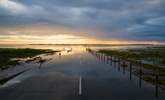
(75, 61)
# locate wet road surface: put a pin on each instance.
(59, 79)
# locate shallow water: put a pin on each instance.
(59, 79)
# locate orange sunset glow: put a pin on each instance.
(45, 34)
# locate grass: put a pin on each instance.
(7, 54)
(154, 55)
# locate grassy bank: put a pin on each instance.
(150, 55)
(7, 54)
(149, 58)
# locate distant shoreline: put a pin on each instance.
(95, 44)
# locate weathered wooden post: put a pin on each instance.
(111, 60)
(101, 56)
(105, 57)
(140, 77)
(130, 70)
(119, 64)
(114, 61)
(157, 83)
(124, 66)
(107, 60)
(119, 58)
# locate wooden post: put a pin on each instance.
(115, 62)
(156, 83)
(130, 70)
(111, 60)
(107, 60)
(99, 56)
(119, 60)
(140, 77)
(102, 57)
(119, 65)
(124, 66)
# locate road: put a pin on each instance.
(59, 79)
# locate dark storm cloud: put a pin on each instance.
(119, 19)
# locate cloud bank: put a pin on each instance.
(138, 20)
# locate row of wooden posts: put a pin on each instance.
(114, 61)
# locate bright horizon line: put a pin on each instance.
(83, 43)
(65, 39)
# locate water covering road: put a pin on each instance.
(76, 75)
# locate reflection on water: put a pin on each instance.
(103, 77)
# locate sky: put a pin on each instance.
(82, 21)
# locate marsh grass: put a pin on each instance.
(7, 54)
(154, 55)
